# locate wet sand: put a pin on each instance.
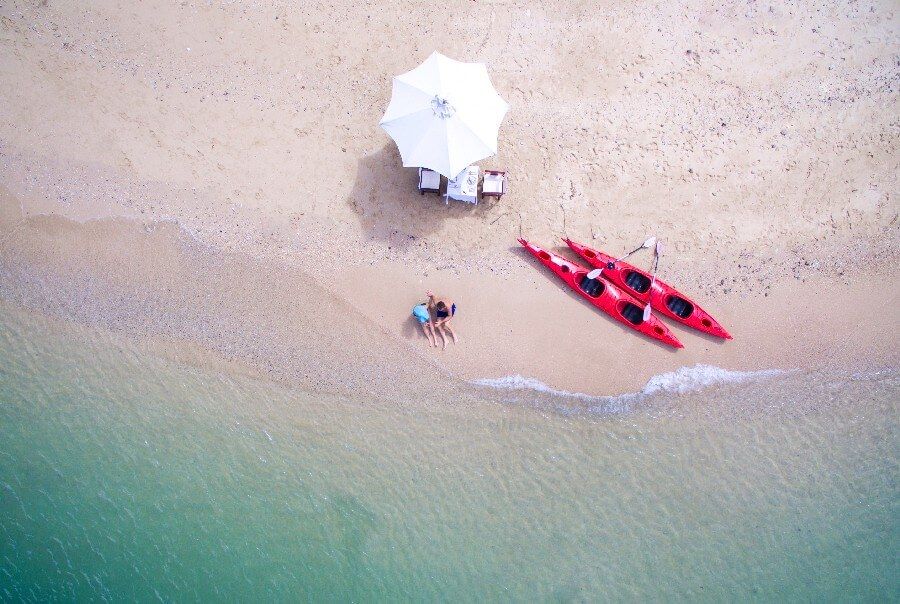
(154, 281)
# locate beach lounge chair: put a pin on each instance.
(493, 184)
(429, 181)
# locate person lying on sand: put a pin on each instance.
(423, 316)
(443, 310)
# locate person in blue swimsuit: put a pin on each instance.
(423, 316)
(443, 310)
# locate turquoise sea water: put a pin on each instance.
(124, 476)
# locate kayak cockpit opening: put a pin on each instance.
(639, 282)
(592, 287)
(633, 313)
(680, 306)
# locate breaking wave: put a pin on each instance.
(520, 382)
(698, 377)
(680, 381)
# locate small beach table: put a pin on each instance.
(464, 187)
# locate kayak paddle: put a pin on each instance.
(647, 244)
(657, 251)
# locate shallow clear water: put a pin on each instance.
(124, 475)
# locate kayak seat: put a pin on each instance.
(637, 281)
(633, 313)
(680, 306)
(592, 287)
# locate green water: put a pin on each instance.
(127, 476)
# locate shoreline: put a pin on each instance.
(115, 441)
(503, 320)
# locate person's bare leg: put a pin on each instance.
(426, 329)
(440, 328)
(450, 329)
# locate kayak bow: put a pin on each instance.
(660, 295)
(603, 294)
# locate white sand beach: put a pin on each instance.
(758, 141)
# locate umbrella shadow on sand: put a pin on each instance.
(389, 206)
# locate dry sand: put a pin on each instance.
(758, 140)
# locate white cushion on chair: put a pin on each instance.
(492, 183)
(429, 179)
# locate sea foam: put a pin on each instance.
(684, 379)
(520, 382)
(698, 377)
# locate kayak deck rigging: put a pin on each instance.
(649, 290)
(604, 295)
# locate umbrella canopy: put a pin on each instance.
(444, 115)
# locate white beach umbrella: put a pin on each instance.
(444, 115)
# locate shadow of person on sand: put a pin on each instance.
(389, 206)
(411, 328)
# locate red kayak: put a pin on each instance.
(661, 296)
(605, 296)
